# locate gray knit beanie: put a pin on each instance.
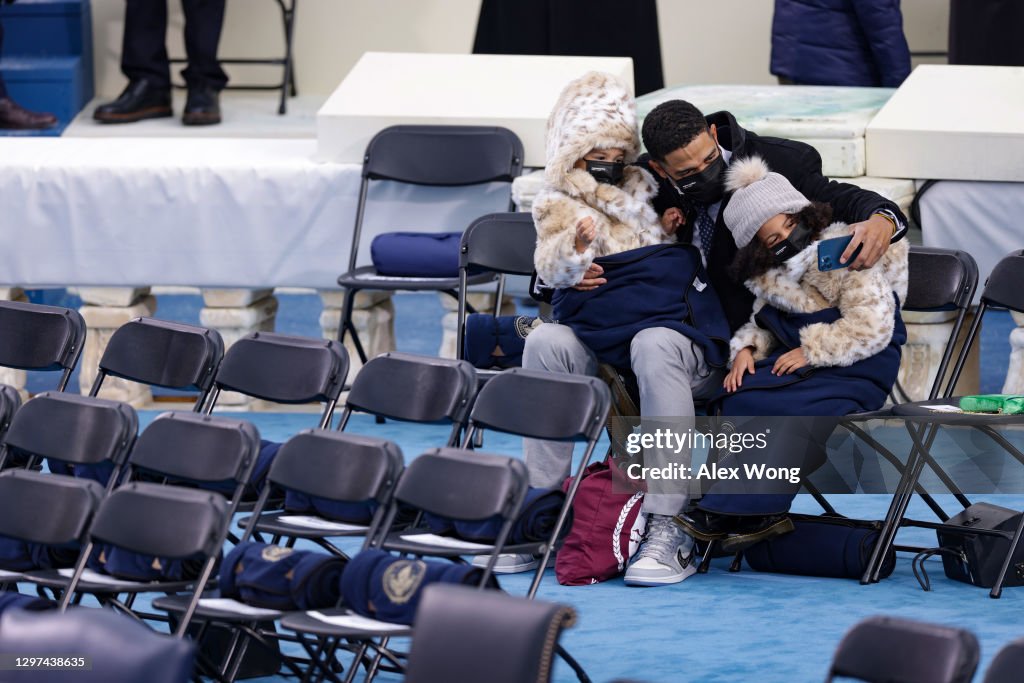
(758, 194)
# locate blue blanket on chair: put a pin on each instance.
(658, 286)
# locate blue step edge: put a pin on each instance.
(54, 132)
(50, 84)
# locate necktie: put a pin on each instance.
(705, 228)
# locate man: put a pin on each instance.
(145, 62)
(15, 117)
(688, 154)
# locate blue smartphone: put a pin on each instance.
(830, 251)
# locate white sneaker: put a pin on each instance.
(511, 563)
(665, 556)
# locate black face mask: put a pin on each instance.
(797, 241)
(705, 187)
(606, 171)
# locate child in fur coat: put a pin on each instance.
(593, 202)
(777, 231)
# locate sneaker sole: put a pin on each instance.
(738, 542)
(652, 582)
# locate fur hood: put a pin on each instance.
(595, 111)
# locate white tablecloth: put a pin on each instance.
(985, 219)
(200, 212)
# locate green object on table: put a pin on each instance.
(1005, 404)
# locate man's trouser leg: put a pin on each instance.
(144, 47)
(671, 372)
(203, 22)
(554, 348)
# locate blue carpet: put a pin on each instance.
(723, 626)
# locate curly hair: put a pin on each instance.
(755, 258)
(671, 125)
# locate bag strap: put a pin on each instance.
(617, 532)
(921, 557)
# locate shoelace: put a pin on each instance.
(661, 539)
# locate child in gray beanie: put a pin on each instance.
(777, 231)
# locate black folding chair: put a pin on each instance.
(1007, 665)
(1003, 289)
(10, 401)
(284, 369)
(163, 354)
(332, 466)
(412, 388)
(887, 649)
(37, 337)
(441, 156)
(47, 510)
(543, 405)
(341, 468)
(464, 635)
(447, 482)
(939, 280)
(117, 648)
(72, 429)
(500, 243)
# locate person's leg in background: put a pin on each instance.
(671, 373)
(15, 117)
(554, 348)
(145, 63)
(204, 76)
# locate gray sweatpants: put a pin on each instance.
(670, 372)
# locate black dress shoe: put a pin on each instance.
(706, 526)
(140, 100)
(753, 530)
(202, 107)
(15, 117)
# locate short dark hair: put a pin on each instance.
(755, 258)
(672, 125)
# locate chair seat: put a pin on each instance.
(270, 523)
(367, 277)
(302, 622)
(881, 413)
(176, 604)
(397, 542)
(52, 578)
(922, 409)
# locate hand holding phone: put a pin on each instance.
(830, 251)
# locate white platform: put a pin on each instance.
(831, 119)
(952, 122)
(245, 213)
(386, 88)
(245, 115)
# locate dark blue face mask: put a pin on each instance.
(797, 241)
(606, 171)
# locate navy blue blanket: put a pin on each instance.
(534, 523)
(659, 286)
(825, 391)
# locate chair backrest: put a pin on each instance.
(471, 636)
(1008, 664)
(165, 521)
(75, 429)
(37, 337)
(444, 155)
(940, 279)
(164, 354)
(284, 369)
(542, 405)
(403, 386)
(39, 508)
(882, 649)
(118, 647)
(500, 242)
(463, 485)
(10, 401)
(336, 466)
(197, 448)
